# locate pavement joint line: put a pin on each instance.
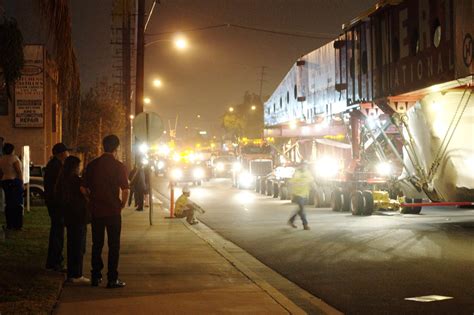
(218, 243)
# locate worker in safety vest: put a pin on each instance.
(300, 186)
(185, 208)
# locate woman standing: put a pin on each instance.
(75, 217)
(12, 183)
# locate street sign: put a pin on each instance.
(148, 127)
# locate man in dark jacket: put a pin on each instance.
(56, 233)
(106, 185)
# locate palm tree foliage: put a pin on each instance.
(11, 51)
(58, 20)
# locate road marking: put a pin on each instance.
(429, 298)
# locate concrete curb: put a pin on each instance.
(219, 244)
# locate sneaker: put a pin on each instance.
(306, 227)
(115, 284)
(293, 225)
(79, 280)
(95, 281)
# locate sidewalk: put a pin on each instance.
(168, 270)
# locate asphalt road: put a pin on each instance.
(359, 265)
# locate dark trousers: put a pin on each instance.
(301, 201)
(56, 239)
(13, 190)
(76, 247)
(139, 198)
(113, 225)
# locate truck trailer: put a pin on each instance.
(384, 113)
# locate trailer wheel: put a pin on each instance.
(411, 210)
(327, 196)
(346, 201)
(269, 188)
(357, 203)
(275, 190)
(368, 202)
(258, 185)
(283, 192)
(318, 198)
(336, 200)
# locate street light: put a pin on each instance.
(181, 43)
(157, 83)
(254, 107)
(231, 109)
(147, 100)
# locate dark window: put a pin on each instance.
(274, 107)
(365, 64)
(296, 92)
(281, 103)
(287, 97)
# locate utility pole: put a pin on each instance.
(140, 56)
(262, 76)
(126, 77)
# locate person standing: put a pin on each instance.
(74, 206)
(55, 257)
(138, 185)
(300, 185)
(106, 185)
(12, 183)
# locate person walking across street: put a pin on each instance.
(185, 208)
(55, 257)
(11, 176)
(74, 206)
(300, 185)
(106, 185)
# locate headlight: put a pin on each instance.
(327, 167)
(220, 166)
(176, 174)
(145, 161)
(245, 179)
(160, 165)
(384, 168)
(198, 173)
(236, 167)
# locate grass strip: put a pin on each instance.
(25, 286)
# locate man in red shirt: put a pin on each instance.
(106, 186)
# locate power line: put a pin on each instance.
(249, 28)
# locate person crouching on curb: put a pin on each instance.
(301, 184)
(186, 208)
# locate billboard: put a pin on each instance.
(29, 90)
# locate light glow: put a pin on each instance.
(220, 166)
(144, 148)
(198, 173)
(147, 100)
(236, 167)
(246, 180)
(181, 43)
(157, 83)
(384, 168)
(176, 174)
(293, 125)
(327, 167)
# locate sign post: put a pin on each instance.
(148, 127)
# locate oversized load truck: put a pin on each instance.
(395, 88)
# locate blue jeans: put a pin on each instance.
(301, 201)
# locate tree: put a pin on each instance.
(58, 19)
(101, 114)
(247, 118)
(11, 52)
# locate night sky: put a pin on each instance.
(220, 64)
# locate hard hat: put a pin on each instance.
(186, 189)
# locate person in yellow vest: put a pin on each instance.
(300, 186)
(185, 208)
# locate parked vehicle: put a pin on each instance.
(36, 185)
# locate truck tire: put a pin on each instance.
(258, 185)
(275, 190)
(346, 201)
(318, 198)
(411, 210)
(269, 186)
(327, 196)
(357, 203)
(368, 202)
(283, 192)
(263, 186)
(336, 200)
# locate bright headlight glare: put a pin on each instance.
(326, 167)
(145, 161)
(176, 174)
(245, 179)
(143, 148)
(236, 167)
(160, 165)
(220, 166)
(198, 173)
(384, 168)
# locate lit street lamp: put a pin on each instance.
(147, 100)
(181, 43)
(254, 107)
(231, 109)
(157, 83)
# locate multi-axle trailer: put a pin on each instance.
(385, 112)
